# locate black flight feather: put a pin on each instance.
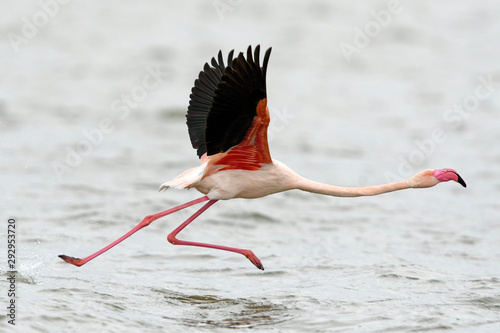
(202, 95)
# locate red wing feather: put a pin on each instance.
(253, 151)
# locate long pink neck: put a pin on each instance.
(315, 187)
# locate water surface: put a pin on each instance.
(419, 260)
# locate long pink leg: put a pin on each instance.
(247, 253)
(144, 223)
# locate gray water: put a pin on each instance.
(84, 147)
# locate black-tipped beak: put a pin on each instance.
(460, 180)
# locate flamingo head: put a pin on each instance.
(429, 178)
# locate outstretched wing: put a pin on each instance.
(234, 114)
(234, 108)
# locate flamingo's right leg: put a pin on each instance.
(247, 253)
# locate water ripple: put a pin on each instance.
(218, 312)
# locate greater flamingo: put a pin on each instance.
(227, 120)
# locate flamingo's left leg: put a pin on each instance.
(145, 222)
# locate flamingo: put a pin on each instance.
(227, 120)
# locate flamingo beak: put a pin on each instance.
(444, 175)
(460, 180)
